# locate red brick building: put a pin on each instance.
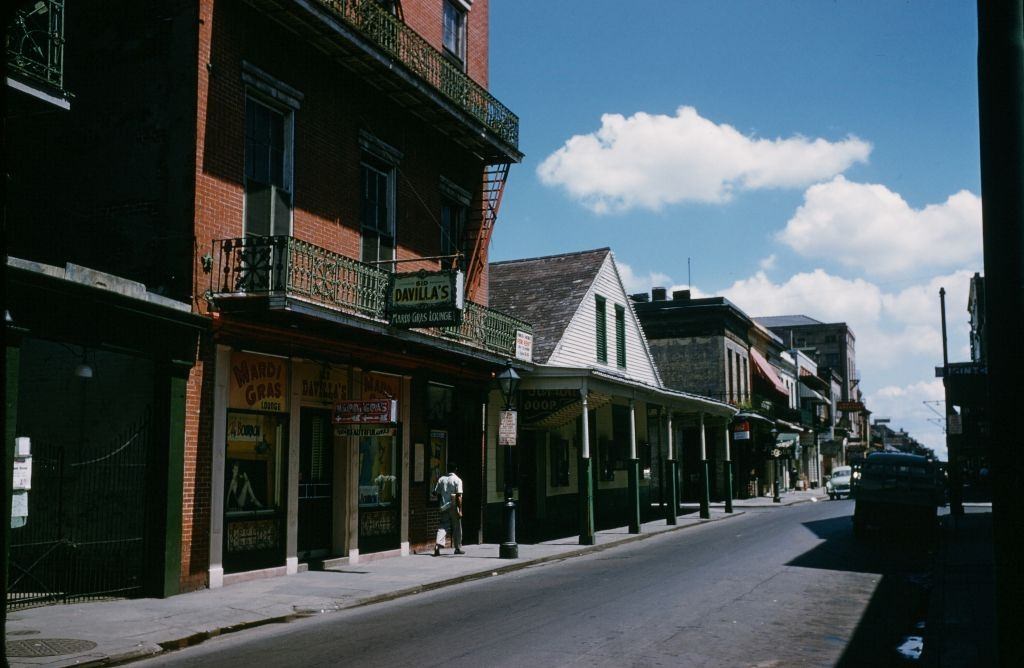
(273, 164)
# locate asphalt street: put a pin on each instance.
(774, 587)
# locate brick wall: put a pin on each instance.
(691, 365)
(425, 17)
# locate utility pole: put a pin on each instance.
(956, 486)
(1001, 118)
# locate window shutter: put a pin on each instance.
(602, 330)
(620, 336)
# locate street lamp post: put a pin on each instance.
(775, 452)
(508, 383)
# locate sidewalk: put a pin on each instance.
(100, 633)
(961, 614)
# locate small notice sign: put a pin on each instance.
(22, 473)
(955, 424)
(524, 346)
(507, 428)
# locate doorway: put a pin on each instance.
(316, 484)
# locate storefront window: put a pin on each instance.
(253, 481)
(377, 480)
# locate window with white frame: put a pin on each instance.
(377, 212)
(378, 171)
(268, 196)
(270, 107)
(454, 212)
(454, 37)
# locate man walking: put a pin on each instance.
(449, 489)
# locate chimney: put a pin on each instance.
(658, 294)
(640, 297)
(681, 295)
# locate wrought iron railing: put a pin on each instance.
(402, 42)
(288, 267)
(35, 43)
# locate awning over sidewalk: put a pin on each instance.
(766, 371)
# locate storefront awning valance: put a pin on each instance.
(766, 371)
(814, 382)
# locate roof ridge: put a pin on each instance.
(551, 257)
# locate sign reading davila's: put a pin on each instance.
(425, 299)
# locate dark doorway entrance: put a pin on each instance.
(316, 484)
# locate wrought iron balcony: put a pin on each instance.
(401, 42)
(283, 266)
(35, 45)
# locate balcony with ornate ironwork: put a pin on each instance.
(281, 271)
(35, 51)
(368, 38)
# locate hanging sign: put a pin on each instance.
(379, 411)
(258, 382)
(850, 406)
(425, 299)
(741, 431)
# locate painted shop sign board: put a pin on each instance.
(741, 431)
(426, 299)
(258, 383)
(850, 406)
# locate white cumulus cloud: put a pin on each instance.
(868, 226)
(652, 160)
(637, 283)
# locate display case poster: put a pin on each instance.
(438, 458)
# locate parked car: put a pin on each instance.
(897, 491)
(838, 484)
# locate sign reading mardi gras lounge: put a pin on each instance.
(426, 299)
(258, 383)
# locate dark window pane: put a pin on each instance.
(257, 209)
(282, 212)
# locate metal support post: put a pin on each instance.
(705, 485)
(728, 468)
(634, 473)
(586, 478)
(672, 473)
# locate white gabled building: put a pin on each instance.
(595, 419)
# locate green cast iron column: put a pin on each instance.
(634, 473)
(671, 473)
(705, 489)
(728, 467)
(586, 480)
(175, 479)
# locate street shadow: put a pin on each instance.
(904, 559)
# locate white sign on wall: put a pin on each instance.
(524, 346)
(507, 428)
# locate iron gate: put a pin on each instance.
(84, 539)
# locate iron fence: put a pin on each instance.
(85, 534)
(35, 43)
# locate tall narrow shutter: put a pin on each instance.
(602, 330)
(620, 336)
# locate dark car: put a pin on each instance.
(899, 492)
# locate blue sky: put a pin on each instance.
(810, 157)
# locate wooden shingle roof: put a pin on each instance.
(545, 292)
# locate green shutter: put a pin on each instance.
(620, 336)
(602, 334)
